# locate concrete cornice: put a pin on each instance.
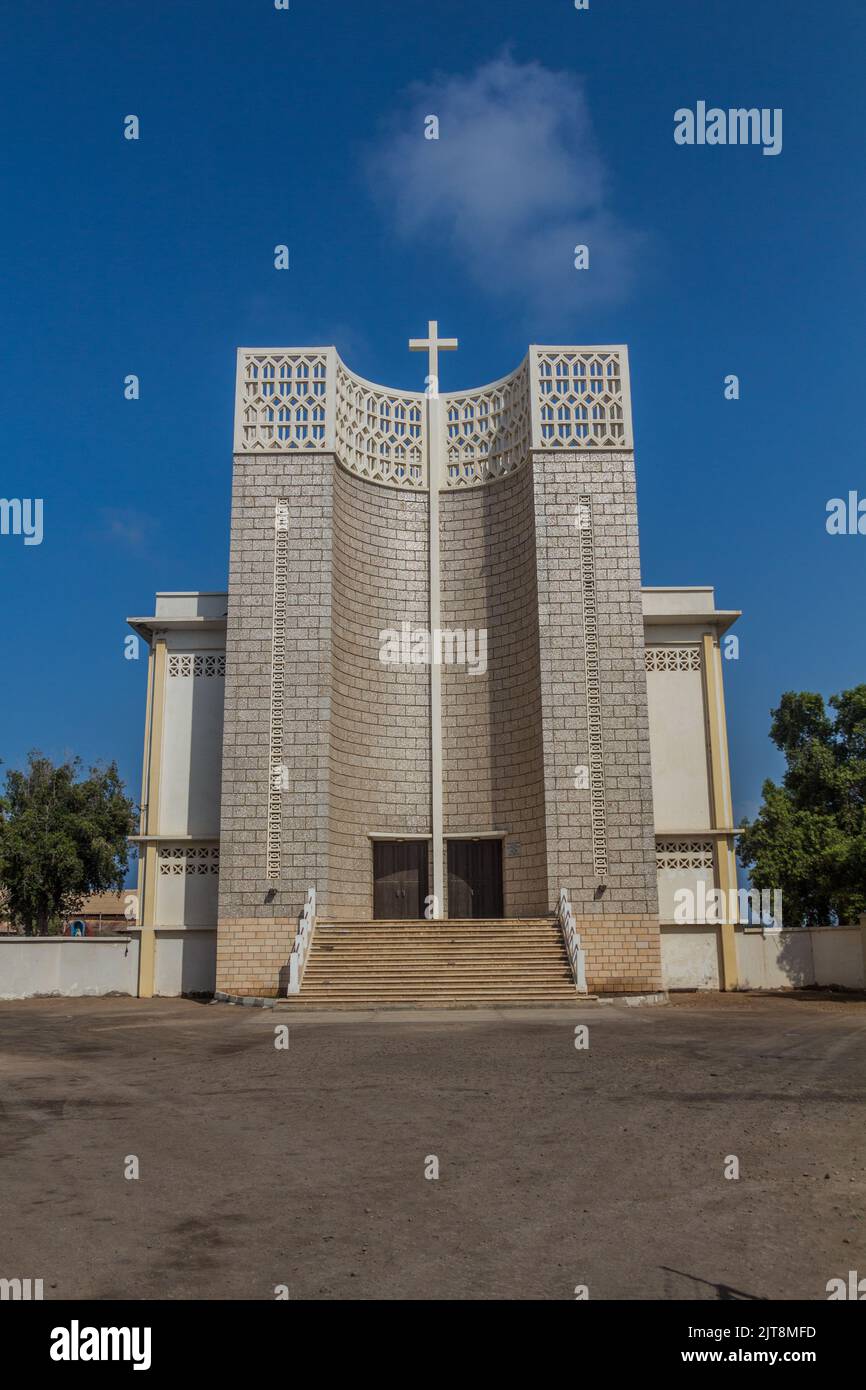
(719, 618)
(151, 626)
(173, 839)
(717, 832)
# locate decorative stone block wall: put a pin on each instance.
(257, 912)
(594, 712)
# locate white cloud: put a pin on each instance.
(131, 529)
(514, 182)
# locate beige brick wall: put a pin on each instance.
(252, 956)
(623, 954)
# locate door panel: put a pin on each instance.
(399, 879)
(474, 878)
(460, 892)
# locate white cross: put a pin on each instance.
(432, 345)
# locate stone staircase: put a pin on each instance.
(440, 964)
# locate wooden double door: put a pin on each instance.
(401, 879)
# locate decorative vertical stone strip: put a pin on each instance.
(593, 691)
(278, 678)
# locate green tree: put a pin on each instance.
(809, 837)
(62, 836)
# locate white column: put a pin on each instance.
(432, 345)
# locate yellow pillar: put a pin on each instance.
(721, 803)
(153, 761)
(145, 779)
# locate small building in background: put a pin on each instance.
(103, 914)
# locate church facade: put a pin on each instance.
(436, 691)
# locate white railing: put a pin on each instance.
(488, 432)
(576, 954)
(284, 400)
(379, 433)
(301, 946)
(582, 398)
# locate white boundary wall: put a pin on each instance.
(690, 958)
(71, 966)
(67, 965)
(821, 956)
(185, 961)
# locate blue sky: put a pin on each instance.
(260, 127)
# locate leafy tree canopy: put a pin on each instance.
(809, 837)
(62, 836)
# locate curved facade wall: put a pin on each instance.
(379, 740)
(493, 767)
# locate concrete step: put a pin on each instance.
(324, 1005)
(457, 943)
(492, 968)
(397, 979)
(439, 922)
(542, 950)
(445, 958)
(398, 995)
(375, 992)
(439, 1002)
(438, 933)
(495, 968)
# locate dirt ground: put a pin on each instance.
(558, 1166)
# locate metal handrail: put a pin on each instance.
(301, 945)
(576, 954)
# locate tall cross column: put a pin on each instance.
(433, 345)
